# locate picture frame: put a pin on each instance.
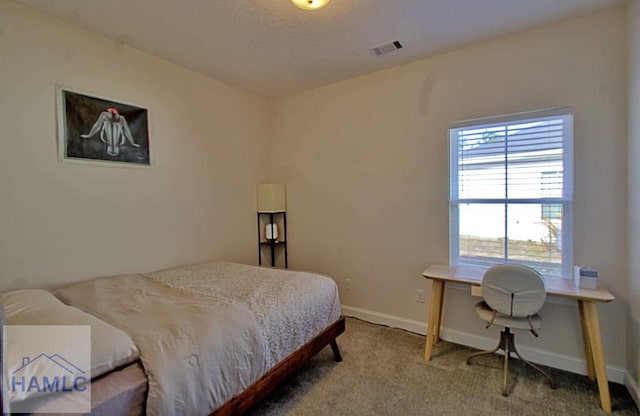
(101, 131)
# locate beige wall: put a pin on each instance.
(633, 328)
(365, 162)
(63, 222)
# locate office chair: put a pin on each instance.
(513, 295)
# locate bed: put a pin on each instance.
(210, 338)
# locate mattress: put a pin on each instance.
(122, 392)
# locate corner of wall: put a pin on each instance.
(632, 376)
(632, 379)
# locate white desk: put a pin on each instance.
(587, 305)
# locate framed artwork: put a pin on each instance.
(98, 130)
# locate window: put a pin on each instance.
(511, 191)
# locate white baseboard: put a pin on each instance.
(564, 362)
(417, 327)
(634, 389)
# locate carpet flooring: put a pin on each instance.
(383, 373)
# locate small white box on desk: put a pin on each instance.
(588, 277)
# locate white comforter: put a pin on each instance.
(206, 332)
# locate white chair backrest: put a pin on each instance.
(513, 289)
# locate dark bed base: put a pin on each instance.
(261, 388)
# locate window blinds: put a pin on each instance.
(501, 162)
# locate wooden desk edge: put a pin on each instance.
(472, 275)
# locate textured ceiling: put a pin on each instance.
(272, 48)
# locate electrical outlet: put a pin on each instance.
(420, 295)
(347, 284)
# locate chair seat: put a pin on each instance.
(486, 313)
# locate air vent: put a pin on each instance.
(386, 48)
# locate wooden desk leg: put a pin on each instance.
(595, 341)
(435, 317)
(586, 338)
(438, 323)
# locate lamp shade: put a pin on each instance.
(271, 197)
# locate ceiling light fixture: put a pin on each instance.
(310, 4)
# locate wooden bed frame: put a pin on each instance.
(261, 388)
